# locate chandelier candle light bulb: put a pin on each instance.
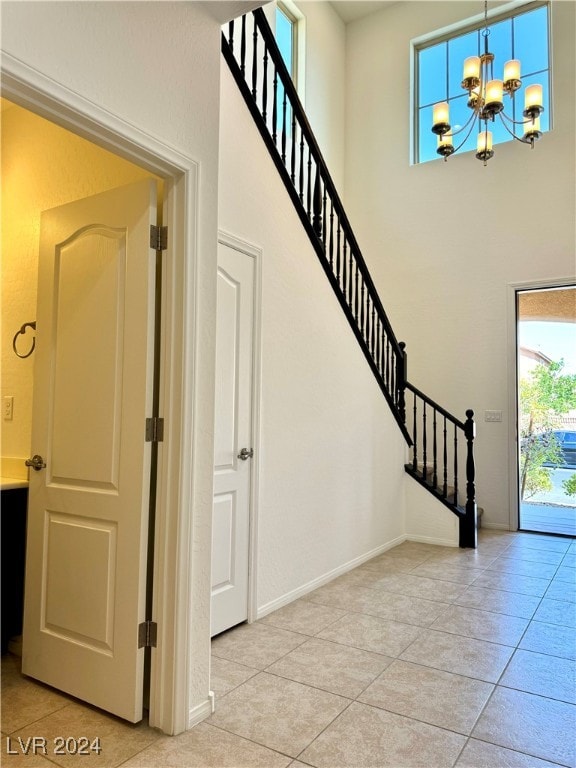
(512, 76)
(532, 132)
(441, 118)
(471, 76)
(445, 147)
(533, 101)
(494, 95)
(484, 149)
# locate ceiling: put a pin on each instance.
(556, 305)
(351, 10)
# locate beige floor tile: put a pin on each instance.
(499, 601)
(483, 625)
(420, 586)
(461, 655)
(206, 747)
(465, 558)
(512, 582)
(490, 549)
(556, 612)
(523, 567)
(23, 754)
(330, 666)
(534, 555)
(544, 543)
(479, 754)
(255, 645)
(533, 724)
(409, 550)
(557, 591)
(451, 573)
(566, 573)
(550, 638)
(303, 617)
(386, 563)
(362, 577)
(226, 675)
(348, 597)
(277, 713)
(544, 675)
(118, 739)
(298, 764)
(23, 700)
(415, 691)
(402, 608)
(371, 633)
(417, 547)
(367, 736)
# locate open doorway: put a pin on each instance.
(170, 708)
(546, 397)
(84, 297)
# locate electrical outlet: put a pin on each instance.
(8, 408)
(492, 415)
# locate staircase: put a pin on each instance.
(442, 458)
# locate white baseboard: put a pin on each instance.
(200, 712)
(289, 597)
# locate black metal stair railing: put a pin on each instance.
(442, 453)
(255, 61)
(251, 52)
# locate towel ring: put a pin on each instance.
(23, 331)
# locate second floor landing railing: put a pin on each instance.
(251, 52)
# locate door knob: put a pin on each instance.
(36, 462)
(246, 453)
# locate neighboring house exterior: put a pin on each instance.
(444, 242)
(528, 359)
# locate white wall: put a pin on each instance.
(445, 240)
(331, 455)
(156, 66)
(325, 58)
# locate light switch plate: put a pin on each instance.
(492, 415)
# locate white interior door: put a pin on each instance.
(233, 436)
(88, 508)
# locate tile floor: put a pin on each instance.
(424, 656)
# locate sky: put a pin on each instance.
(556, 340)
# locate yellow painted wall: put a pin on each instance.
(43, 166)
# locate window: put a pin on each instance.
(288, 31)
(286, 26)
(521, 35)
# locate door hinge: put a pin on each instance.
(147, 634)
(154, 430)
(158, 238)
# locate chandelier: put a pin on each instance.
(486, 100)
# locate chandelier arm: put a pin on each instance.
(504, 116)
(471, 119)
(522, 141)
(518, 138)
(472, 124)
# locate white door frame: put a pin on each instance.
(514, 509)
(179, 463)
(255, 253)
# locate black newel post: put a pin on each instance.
(469, 524)
(401, 378)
